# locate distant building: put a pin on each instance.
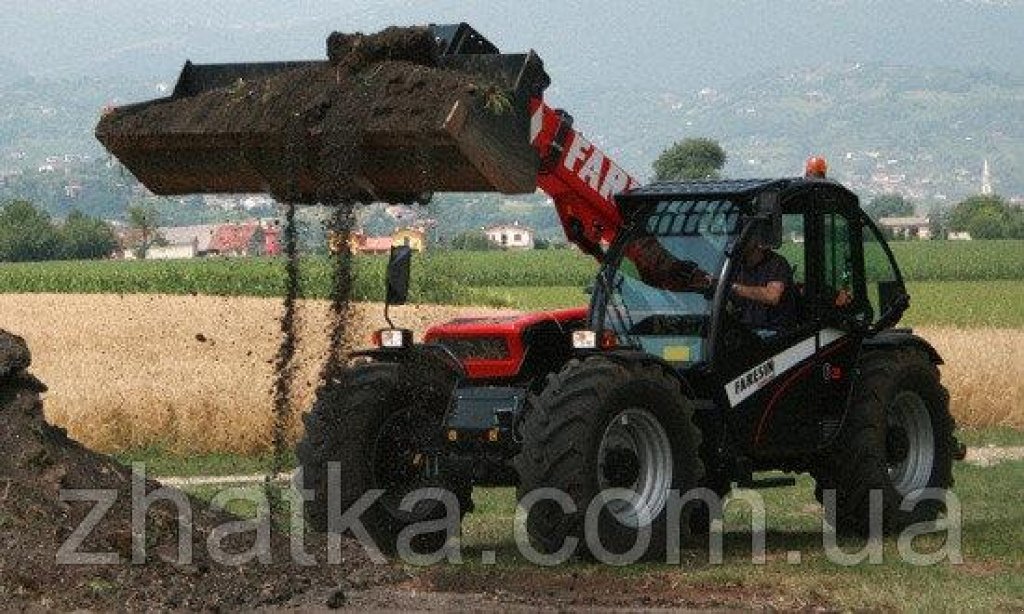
(248, 239)
(986, 179)
(510, 236)
(959, 235)
(360, 243)
(200, 236)
(73, 190)
(416, 238)
(178, 251)
(907, 227)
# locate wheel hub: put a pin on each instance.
(635, 454)
(909, 443)
(621, 468)
(897, 444)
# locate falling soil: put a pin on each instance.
(284, 360)
(40, 462)
(340, 227)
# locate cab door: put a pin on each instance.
(767, 385)
(842, 308)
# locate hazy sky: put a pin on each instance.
(694, 41)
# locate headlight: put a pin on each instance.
(393, 338)
(584, 340)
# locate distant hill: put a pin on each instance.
(908, 96)
(923, 132)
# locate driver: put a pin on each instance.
(760, 288)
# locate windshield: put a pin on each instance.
(657, 285)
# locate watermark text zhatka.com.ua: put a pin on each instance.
(257, 530)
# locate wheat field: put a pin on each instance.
(193, 374)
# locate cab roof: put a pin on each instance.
(728, 187)
(742, 190)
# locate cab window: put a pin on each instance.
(884, 288)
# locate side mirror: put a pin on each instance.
(398, 275)
(770, 215)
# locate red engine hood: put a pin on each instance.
(509, 327)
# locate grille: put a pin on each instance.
(480, 348)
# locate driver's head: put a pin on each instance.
(754, 251)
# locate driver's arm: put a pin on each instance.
(661, 269)
(770, 294)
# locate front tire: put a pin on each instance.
(381, 424)
(897, 439)
(601, 424)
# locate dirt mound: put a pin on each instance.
(356, 51)
(41, 469)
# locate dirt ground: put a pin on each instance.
(40, 465)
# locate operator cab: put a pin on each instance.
(666, 289)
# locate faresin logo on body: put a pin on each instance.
(753, 378)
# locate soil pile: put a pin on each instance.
(39, 461)
(356, 51)
(384, 87)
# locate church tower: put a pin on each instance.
(986, 180)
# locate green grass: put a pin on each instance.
(162, 463)
(438, 277)
(960, 260)
(963, 304)
(966, 304)
(990, 578)
(988, 289)
(994, 436)
(439, 274)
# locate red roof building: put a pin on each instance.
(239, 240)
(272, 240)
(360, 243)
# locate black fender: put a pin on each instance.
(902, 337)
(638, 356)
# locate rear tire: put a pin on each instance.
(599, 424)
(379, 422)
(897, 439)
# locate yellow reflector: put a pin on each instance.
(676, 353)
(492, 435)
(453, 435)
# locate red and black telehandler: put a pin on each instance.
(658, 386)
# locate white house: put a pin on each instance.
(907, 227)
(510, 236)
(200, 235)
(176, 251)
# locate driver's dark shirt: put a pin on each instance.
(772, 267)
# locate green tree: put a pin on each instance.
(26, 233)
(143, 219)
(85, 238)
(472, 240)
(988, 217)
(695, 158)
(889, 205)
